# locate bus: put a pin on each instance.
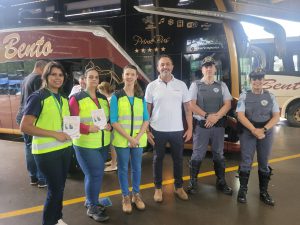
(75, 47)
(186, 30)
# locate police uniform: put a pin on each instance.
(258, 109)
(210, 98)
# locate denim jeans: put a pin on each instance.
(176, 145)
(31, 164)
(135, 157)
(92, 162)
(55, 166)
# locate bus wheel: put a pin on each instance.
(293, 115)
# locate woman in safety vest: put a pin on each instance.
(129, 118)
(43, 119)
(92, 147)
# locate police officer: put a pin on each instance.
(211, 101)
(257, 112)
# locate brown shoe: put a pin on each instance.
(136, 199)
(158, 195)
(180, 193)
(126, 204)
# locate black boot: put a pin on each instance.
(264, 178)
(194, 170)
(221, 184)
(243, 177)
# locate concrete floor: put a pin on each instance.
(21, 204)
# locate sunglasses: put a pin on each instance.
(257, 78)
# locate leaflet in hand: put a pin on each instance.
(71, 126)
(99, 118)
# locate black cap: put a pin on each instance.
(208, 61)
(258, 72)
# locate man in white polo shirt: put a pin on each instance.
(165, 97)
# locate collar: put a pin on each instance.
(203, 81)
(160, 80)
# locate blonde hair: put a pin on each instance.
(105, 87)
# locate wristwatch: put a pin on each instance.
(206, 115)
(265, 130)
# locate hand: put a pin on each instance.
(133, 143)
(150, 138)
(188, 135)
(211, 120)
(258, 133)
(93, 129)
(62, 137)
(108, 127)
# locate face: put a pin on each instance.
(56, 78)
(129, 76)
(92, 79)
(82, 82)
(257, 82)
(209, 71)
(165, 66)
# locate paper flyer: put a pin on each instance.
(71, 126)
(99, 118)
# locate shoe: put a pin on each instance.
(97, 214)
(223, 187)
(101, 207)
(158, 195)
(126, 204)
(33, 181)
(61, 222)
(136, 199)
(180, 193)
(42, 184)
(110, 169)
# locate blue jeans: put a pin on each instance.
(135, 156)
(31, 164)
(92, 162)
(55, 166)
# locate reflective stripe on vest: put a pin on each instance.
(92, 140)
(131, 119)
(50, 119)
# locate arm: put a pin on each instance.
(215, 117)
(132, 141)
(189, 119)
(27, 126)
(257, 132)
(150, 136)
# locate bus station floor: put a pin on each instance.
(21, 204)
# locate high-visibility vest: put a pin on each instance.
(50, 119)
(86, 106)
(130, 117)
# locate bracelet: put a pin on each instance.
(206, 115)
(265, 130)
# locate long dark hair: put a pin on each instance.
(137, 89)
(47, 72)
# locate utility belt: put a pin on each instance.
(221, 123)
(240, 126)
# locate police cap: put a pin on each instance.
(208, 61)
(257, 73)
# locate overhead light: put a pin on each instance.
(28, 3)
(93, 12)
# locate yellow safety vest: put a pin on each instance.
(50, 119)
(86, 106)
(130, 117)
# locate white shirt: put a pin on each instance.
(167, 102)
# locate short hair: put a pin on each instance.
(40, 64)
(164, 56)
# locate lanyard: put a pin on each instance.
(58, 104)
(98, 105)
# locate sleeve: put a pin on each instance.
(113, 109)
(74, 111)
(146, 114)
(148, 94)
(241, 103)
(225, 92)
(193, 91)
(33, 105)
(275, 104)
(185, 93)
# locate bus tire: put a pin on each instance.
(293, 114)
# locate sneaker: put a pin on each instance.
(158, 195)
(97, 214)
(110, 168)
(61, 222)
(180, 193)
(101, 207)
(42, 184)
(33, 181)
(136, 199)
(126, 204)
